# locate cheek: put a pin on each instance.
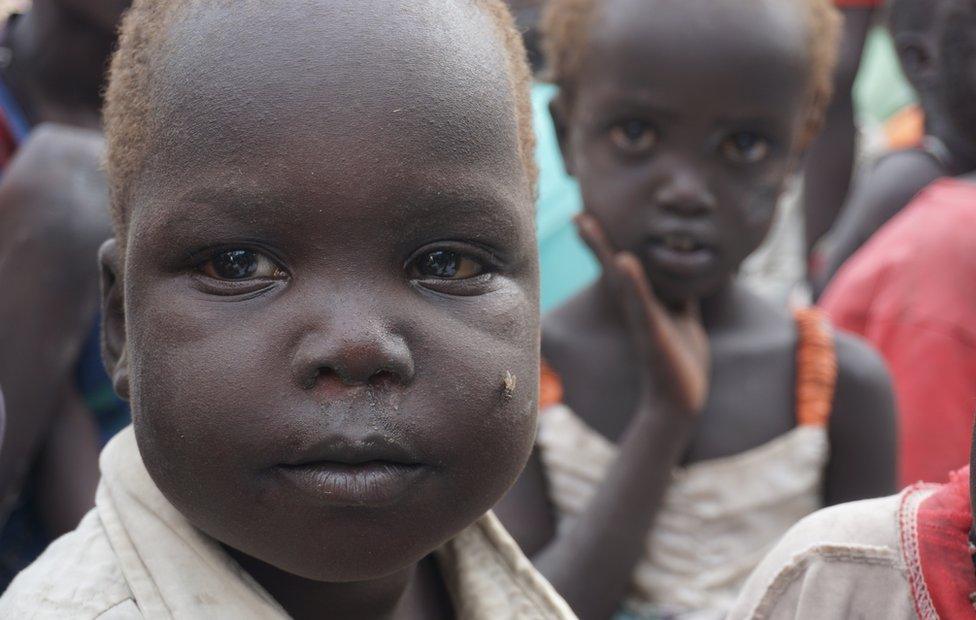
(756, 200)
(483, 368)
(202, 379)
(614, 194)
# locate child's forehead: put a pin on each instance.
(689, 31)
(347, 70)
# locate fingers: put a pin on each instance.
(690, 309)
(593, 236)
(652, 313)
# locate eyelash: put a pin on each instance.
(205, 271)
(467, 286)
(246, 286)
(617, 134)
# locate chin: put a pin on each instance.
(345, 561)
(674, 291)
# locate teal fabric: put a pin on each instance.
(881, 90)
(566, 264)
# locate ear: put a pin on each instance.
(918, 58)
(113, 318)
(559, 111)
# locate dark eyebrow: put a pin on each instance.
(642, 98)
(452, 206)
(231, 200)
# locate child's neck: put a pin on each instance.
(719, 310)
(415, 592)
(57, 66)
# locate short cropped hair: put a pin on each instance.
(128, 105)
(565, 24)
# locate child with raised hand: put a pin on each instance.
(898, 177)
(321, 303)
(911, 290)
(672, 461)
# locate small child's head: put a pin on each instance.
(683, 120)
(322, 297)
(914, 27)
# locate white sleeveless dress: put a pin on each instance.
(719, 517)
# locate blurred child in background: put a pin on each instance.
(911, 290)
(678, 444)
(895, 180)
(53, 217)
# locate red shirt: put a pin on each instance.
(8, 142)
(911, 291)
(936, 550)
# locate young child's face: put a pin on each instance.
(683, 130)
(331, 282)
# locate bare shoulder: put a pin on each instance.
(78, 576)
(895, 180)
(905, 171)
(859, 366)
(55, 188)
(863, 438)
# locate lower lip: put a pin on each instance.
(678, 262)
(376, 483)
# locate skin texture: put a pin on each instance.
(830, 160)
(336, 182)
(655, 157)
(52, 213)
(891, 185)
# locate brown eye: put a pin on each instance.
(633, 136)
(745, 148)
(239, 265)
(446, 265)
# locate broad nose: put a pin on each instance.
(353, 353)
(685, 193)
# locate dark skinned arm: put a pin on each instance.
(67, 467)
(881, 195)
(830, 161)
(863, 437)
(591, 563)
(53, 217)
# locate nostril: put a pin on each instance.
(322, 373)
(383, 377)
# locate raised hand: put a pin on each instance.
(672, 343)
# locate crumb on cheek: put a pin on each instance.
(509, 383)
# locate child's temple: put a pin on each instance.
(487, 309)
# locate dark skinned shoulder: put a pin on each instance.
(863, 431)
(883, 192)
